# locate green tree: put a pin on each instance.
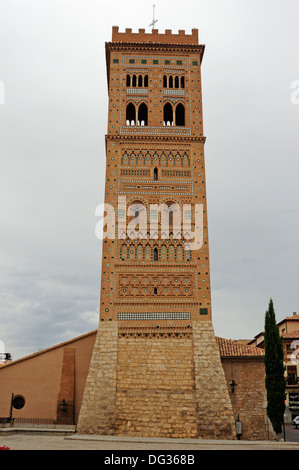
(274, 366)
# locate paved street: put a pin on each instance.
(75, 442)
(291, 433)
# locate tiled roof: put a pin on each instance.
(292, 317)
(233, 348)
(291, 334)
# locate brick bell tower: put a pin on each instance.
(155, 369)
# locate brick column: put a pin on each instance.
(67, 387)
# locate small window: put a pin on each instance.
(179, 62)
(131, 61)
(115, 61)
(155, 254)
(146, 81)
(155, 61)
(194, 62)
(155, 291)
(143, 61)
(167, 62)
(156, 174)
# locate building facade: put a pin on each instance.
(155, 369)
(47, 387)
(289, 331)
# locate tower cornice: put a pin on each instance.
(156, 47)
(150, 138)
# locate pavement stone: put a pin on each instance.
(21, 441)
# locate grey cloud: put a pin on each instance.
(52, 159)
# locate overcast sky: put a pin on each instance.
(52, 159)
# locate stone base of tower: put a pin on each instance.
(165, 384)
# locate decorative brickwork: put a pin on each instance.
(156, 369)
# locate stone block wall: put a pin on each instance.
(157, 387)
(249, 399)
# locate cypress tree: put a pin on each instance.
(274, 366)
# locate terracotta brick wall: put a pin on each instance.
(67, 387)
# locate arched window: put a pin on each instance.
(170, 81)
(136, 220)
(137, 216)
(130, 114)
(134, 80)
(182, 82)
(176, 82)
(155, 254)
(168, 115)
(170, 217)
(156, 174)
(142, 114)
(164, 81)
(140, 81)
(180, 115)
(128, 80)
(155, 291)
(146, 80)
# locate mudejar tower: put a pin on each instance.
(155, 369)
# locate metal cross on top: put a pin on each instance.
(154, 21)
